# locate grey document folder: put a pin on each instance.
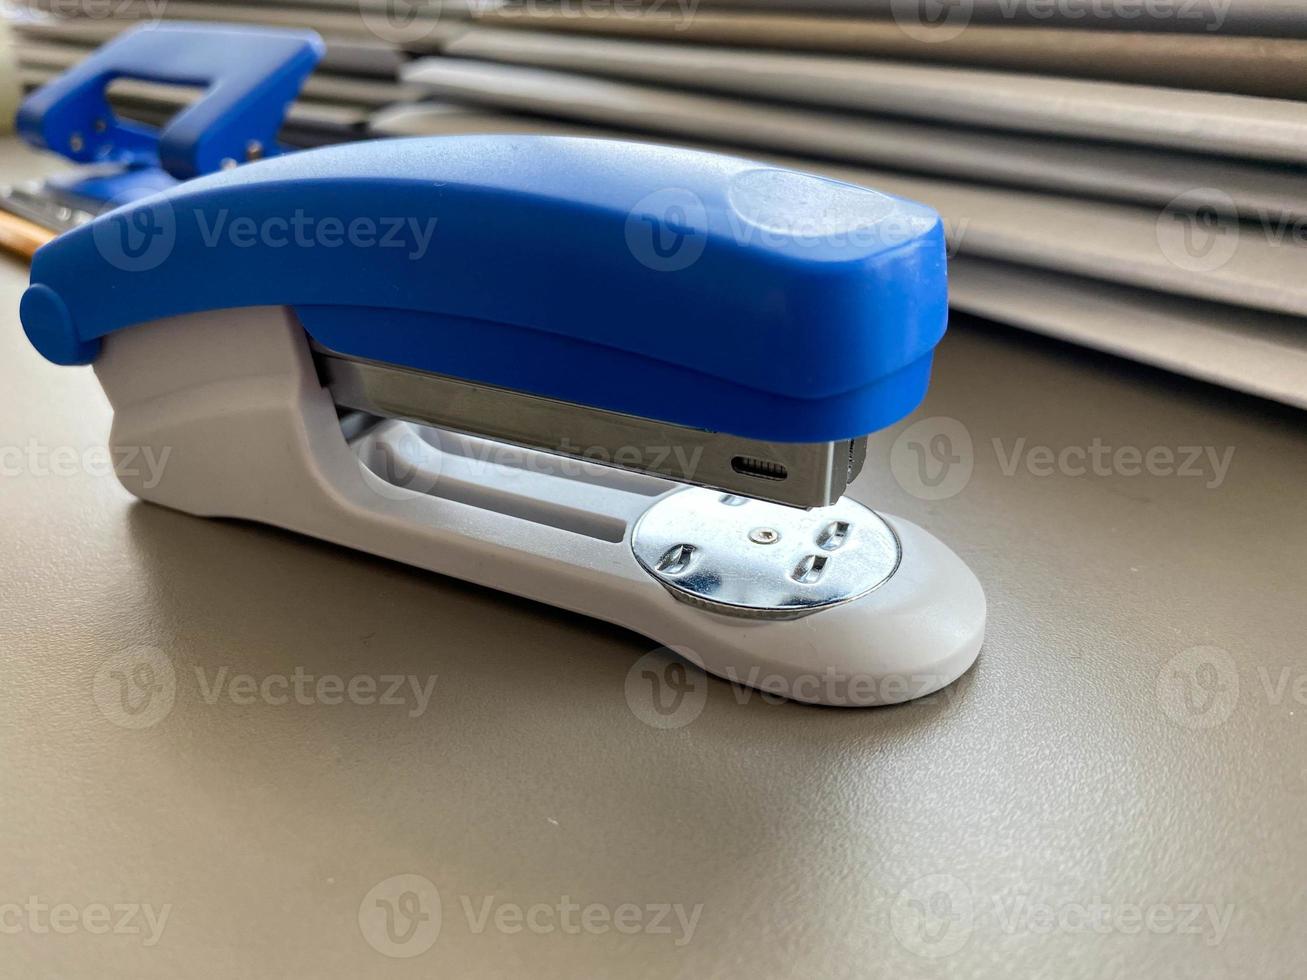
(1178, 119)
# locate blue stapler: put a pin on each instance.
(627, 380)
(250, 76)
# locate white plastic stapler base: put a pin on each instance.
(251, 433)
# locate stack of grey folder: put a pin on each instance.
(1131, 177)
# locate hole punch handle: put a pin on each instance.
(251, 76)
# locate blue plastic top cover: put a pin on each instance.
(251, 75)
(689, 287)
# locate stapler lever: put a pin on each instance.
(627, 380)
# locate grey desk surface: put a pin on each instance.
(1096, 798)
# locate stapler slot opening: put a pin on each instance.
(602, 448)
(763, 469)
(397, 454)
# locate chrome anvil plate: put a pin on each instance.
(749, 558)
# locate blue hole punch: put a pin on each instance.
(237, 119)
